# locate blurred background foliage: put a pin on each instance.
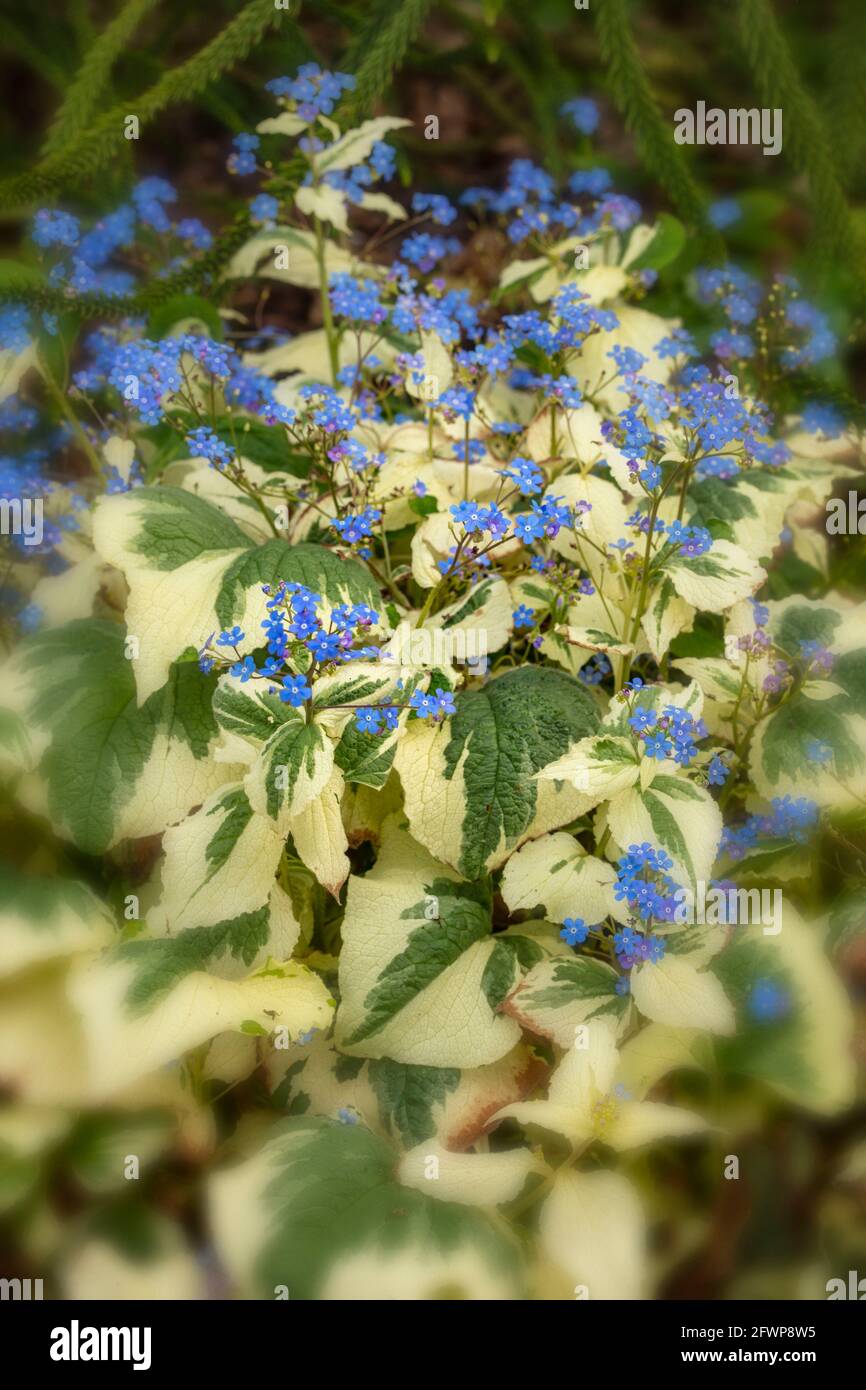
(495, 72)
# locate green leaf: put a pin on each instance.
(332, 1217)
(417, 942)
(562, 994)
(408, 1097)
(801, 1045)
(291, 769)
(190, 310)
(666, 245)
(101, 741)
(159, 965)
(423, 506)
(175, 527)
(470, 789)
(319, 569)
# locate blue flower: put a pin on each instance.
(356, 300)
(437, 205)
(523, 616)
(717, 772)
(574, 931)
(584, 114)
(768, 1001)
(51, 227)
(356, 526)
(203, 443)
(724, 212)
(243, 669)
(444, 703)
(231, 637)
(818, 752)
(325, 646)
(368, 720)
(195, 232)
(643, 718)
(528, 527)
(242, 160)
(314, 91)
(295, 691)
(526, 474)
(264, 210)
(595, 670)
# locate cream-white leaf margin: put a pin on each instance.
(556, 872)
(447, 1021)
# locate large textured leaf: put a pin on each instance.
(46, 919)
(405, 1103)
(318, 1212)
(598, 767)
(476, 1180)
(593, 1229)
(678, 994)
(113, 769)
(354, 146)
(717, 580)
(144, 1007)
(470, 789)
(674, 815)
(183, 557)
(417, 946)
(556, 873)
(802, 1046)
(218, 875)
(561, 995)
(291, 771)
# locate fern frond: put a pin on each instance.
(845, 101)
(633, 95)
(95, 147)
(398, 23)
(13, 41)
(780, 86)
(82, 98)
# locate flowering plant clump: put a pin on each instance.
(384, 687)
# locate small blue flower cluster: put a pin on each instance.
(537, 207)
(594, 671)
(378, 719)
(313, 92)
(632, 948)
(437, 205)
(242, 160)
(817, 658)
(144, 372)
(672, 733)
(583, 113)
(741, 297)
(643, 881)
(84, 255)
(293, 622)
(791, 818)
(526, 474)
(691, 540)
